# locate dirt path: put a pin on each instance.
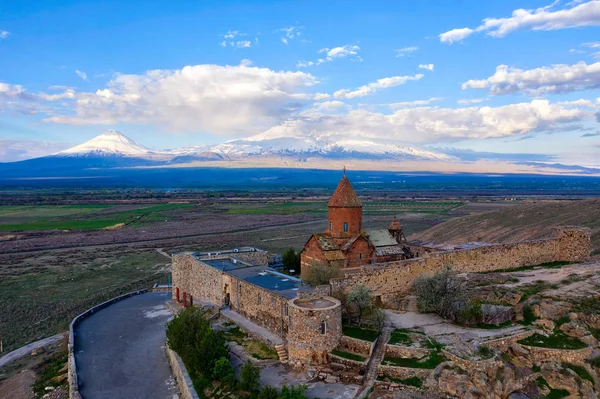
(155, 240)
(26, 350)
(163, 253)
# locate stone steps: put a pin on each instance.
(377, 356)
(282, 353)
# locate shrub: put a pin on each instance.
(293, 392)
(528, 315)
(442, 293)
(471, 313)
(223, 371)
(249, 377)
(268, 392)
(319, 274)
(199, 346)
(361, 299)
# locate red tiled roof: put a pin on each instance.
(344, 196)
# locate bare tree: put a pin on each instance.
(442, 293)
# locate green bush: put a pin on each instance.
(528, 315)
(249, 377)
(293, 392)
(268, 392)
(223, 371)
(199, 346)
(291, 260)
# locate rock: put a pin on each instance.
(331, 379)
(518, 350)
(512, 298)
(590, 340)
(572, 316)
(575, 329)
(546, 324)
(553, 309)
(337, 366)
(37, 351)
(518, 395)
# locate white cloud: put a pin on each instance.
(585, 14)
(329, 105)
(371, 88)
(230, 100)
(4, 34)
(428, 67)
(415, 103)
(233, 34)
(434, 125)
(467, 101)
(18, 150)
(290, 32)
(591, 44)
(455, 35)
(82, 75)
(554, 79)
(401, 52)
(321, 96)
(243, 44)
(346, 51)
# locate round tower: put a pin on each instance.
(344, 211)
(315, 329)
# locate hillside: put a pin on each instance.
(531, 220)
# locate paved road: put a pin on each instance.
(27, 349)
(120, 350)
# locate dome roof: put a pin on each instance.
(395, 225)
(344, 196)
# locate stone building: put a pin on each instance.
(345, 244)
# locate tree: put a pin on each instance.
(293, 392)
(360, 298)
(249, 377)
(223, 371)
(378, 317)
(268, 392)
(443, 293)
(319, 274)
(291, 259)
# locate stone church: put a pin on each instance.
(345, 244)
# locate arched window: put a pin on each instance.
(259, 299)
(287, 310)
(330, 225)
(359, 226)
(345, 226)
(323, 327)
(360, 256)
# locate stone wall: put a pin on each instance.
(481, 366)
(307, 343)
(258, 257)
(191, 276)
(403, 372)
(260, 305)
(349, 344)
(503, 343)
(576, 356)
(184, 382)
(348, 364)
(405, 351)
(388, 280)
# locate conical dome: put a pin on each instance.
(395, 225)
(344, 196)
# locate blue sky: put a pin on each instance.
(409, 71)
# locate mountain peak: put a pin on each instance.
(110, 142)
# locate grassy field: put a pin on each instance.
(39, 297)
(66, 217)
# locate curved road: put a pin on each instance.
(120, 350)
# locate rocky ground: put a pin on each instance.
(560, 305)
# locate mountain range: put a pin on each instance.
(279, 147)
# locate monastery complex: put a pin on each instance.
(308, 320)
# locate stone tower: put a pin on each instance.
(344, 211)
(395, 230)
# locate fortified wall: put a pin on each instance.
(388, 280)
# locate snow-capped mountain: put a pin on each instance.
(282, 144)
(109, 143)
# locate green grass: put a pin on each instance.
(557, 340)
(547, 265)
(364, 334)
(581, 371)
(400, 337)
(350, 356)
(411, 381)
(554, 393)
(428, 362)
(254, 348)
(431, 343)
(83, 217)
(50, 369)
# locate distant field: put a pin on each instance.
(370, 208)
(65, 217)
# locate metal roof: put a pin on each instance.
(381, 238)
